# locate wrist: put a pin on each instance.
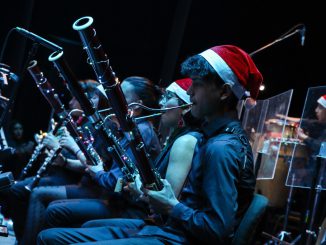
(174, 202)
(76, 152)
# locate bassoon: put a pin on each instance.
(106, 135)
(99, 60)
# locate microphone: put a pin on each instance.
(38, 39)
(303, 35)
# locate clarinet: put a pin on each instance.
(58, 107)
(37, 151)
(93, 158)
(42, 170)
(105, 75)
(110, 141)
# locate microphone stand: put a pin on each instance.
(283, 234)
(275, 41)
(310, 236)
(14, 89)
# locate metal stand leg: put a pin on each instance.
(310, 235)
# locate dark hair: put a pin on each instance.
(198, 66)
(146, 90)
(89, 86)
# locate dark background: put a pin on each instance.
(151, 38)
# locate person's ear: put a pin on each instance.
(226, 91)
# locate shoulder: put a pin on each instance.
(222, 145)
(185, 140)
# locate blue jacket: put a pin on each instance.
(218, 191)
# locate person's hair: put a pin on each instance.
(146, 90)
(198, 66)
(89, 86)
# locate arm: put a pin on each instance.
(108, 179)
(72, 164)
(292, 119)
(313, 144)
(69, 143)
(180, 161)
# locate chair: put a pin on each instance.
(246, 230)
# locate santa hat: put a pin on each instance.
(236, 68)
(322, 101)
(180, 87)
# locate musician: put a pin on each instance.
(313, 132)
(176, 166)
(67, 212)
(65, 170)
(84, 188)
(221, 181)
(175, 160)
(42, 196)
(19, 151)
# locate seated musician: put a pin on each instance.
(87, 188)
(65, 213)
(65, 170)
(220, 184)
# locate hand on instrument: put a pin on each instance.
(134, 188)
(60, 160)
(162, 202)
(38, 138)
(51, 142)
(68, 142)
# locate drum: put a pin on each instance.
(274, 128)
(275, 189)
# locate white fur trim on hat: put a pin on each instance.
(322, 101)
(175, 88)
(225, 72)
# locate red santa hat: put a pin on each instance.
(322, 101)
(236, 68)
(180, 87)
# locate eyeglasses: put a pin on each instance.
(166, 97)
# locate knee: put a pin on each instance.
(18, 191)
(55, 215)
(38, 193)
(47, 237)
(92, 223)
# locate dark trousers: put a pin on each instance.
(39, 201)
(18, 196)
(117, 232)
(73, 213)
